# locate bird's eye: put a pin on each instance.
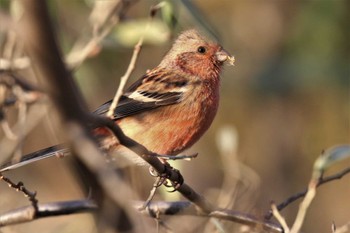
(201, 49)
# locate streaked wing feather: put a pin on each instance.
(153, 90)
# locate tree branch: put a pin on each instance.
(322, 181)
(20, 187)
(132, 63)
(155, 208)
(29, 213)
(103, 17)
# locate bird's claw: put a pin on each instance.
(164, 178)
(175, 183)
(153, 172)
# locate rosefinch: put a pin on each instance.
(169, 108)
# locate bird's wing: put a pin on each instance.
(155, 89)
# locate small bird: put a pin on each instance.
(170, 107)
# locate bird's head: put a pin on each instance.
(194, 54)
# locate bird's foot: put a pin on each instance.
(170, 177)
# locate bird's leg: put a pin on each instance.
(161, 178)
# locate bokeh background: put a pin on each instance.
(286, 100)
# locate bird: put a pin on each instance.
(169, 108)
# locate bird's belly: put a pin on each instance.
(169, 132)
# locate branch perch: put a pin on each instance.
(155, 208)
(29, 213)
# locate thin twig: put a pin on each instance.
(10, 79)
(155, 186)
(7, 145)
(7, 130)
(101, 27)
(322, 181)
(23, 93)
(15, 64)
(279, 218)
(132, 63)
(186, 208)
(304, 205)
(11, 57)
(125, 77)
(20, 187)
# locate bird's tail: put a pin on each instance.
(58, 151)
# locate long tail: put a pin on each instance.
(58, 151)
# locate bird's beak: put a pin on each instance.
(223, 56)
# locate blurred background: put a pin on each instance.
(286, 99)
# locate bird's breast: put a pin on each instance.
(174, 128)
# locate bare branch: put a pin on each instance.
(154, 210)
(279, 218)
(14, 64)
(125, 78)
(11, 79)
(28, 213)
(8, 145)
(132, 63)
(157, 183)
(11, 57)
(304, 205)
(20, 187)
(322, 181)
(17, 92)
(104, 16)
(187, 208)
